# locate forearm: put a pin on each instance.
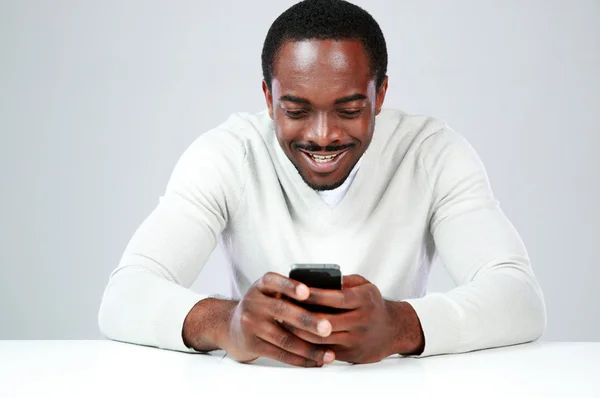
(502, 307)
(143, 308)
(207, 324)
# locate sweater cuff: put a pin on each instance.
(168, 324)
(441, 323)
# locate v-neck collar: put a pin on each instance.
(337, 194)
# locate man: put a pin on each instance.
(326, 175)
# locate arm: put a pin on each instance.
(498, 300)
(147, 297)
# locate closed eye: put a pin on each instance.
(350, 113)
(294, 114)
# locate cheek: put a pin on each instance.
(289, 130)
(362, 129)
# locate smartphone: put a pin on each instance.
(322, 276)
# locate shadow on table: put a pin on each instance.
(394, 361)
(398, 361)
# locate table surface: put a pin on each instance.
(112, 369)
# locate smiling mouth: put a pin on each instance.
(324, 163)
(324, 158)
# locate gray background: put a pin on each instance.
(99, 98)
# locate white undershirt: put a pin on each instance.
(334, 196)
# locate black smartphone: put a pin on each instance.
(322, 276)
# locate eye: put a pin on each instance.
(294, 114)
(350, 113)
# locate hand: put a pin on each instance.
(371, 329)
(255, 329)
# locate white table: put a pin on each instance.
(112, 369)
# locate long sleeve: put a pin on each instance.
(147, 296)
(497, 301)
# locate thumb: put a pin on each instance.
(350, 281)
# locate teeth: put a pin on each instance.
(323, 159)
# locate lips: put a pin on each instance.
(324, 162)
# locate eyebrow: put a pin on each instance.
(350, 98)
(299, 100)
(293, 98)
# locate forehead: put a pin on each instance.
(334, 66)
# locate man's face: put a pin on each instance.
(324, 102)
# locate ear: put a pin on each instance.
(381, 96)
(268, 98)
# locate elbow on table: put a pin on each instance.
(107, 316)
(533, 326)
(114, 322)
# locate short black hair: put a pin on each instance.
(326, 20)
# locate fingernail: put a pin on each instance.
(328, 357)
(324, 328)
(302, 292)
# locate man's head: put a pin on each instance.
(324, 67)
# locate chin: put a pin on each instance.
(323, 184)
(326, 187)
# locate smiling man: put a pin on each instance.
(326, 175)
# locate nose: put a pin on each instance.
(324, 131)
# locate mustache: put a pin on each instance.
(317, 148)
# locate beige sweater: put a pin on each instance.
(421, 191)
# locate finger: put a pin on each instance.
(349, 299)
(351, 321)
(285, 311)
(350, 281)
(336, 338)
(272, 283)
(268, 350)
(344, 354)
(289, 342)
